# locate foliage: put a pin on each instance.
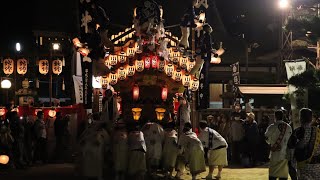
(307, 79)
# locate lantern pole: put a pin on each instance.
(50, 74)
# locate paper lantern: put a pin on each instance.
(177, 75)
(5, 84)
(122, 57)
(183, 62)
(122, 73)
(2, 111)
(175, 56)
(57, 66)
(131, 69)
(164, 93)
(113, 59)
(52, 113)
(22, 66)
(194, 84)
(147, 62)
(160, 113)
(106, 61)
(169, 69)
(4, 159)
(135, 92)
(139, 65)
(170, 51)
(191, 63)
(96, 82)
(131, 51)
(44, 66)
(154, 62)
(104, 81)
(161, 65)
(136, 112)
(8, 66)
(113, 78)
(215, 59)
(186, 78)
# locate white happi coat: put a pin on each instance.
(170, 148)
(120, 150)
(217, 139)
(272, 133)
(154, 136)
(93, 145)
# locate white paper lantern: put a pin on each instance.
(52, 113)
(177, 75)
(57, 66)
(161, 65)
(22, 66)
(131, 51)
(194, 84)
(44, 66)
(113, 78)
(175, 57)
(139, 65)
(113, 60)
(183, 62)
(169, 69)
(8, 66)
(104, 81)
(122, 57)
(186, 78)
(122, 73)
(131, 69)
(4, 159)
(191, 63)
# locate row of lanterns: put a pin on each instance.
(22, 66)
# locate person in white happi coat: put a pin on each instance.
(277, 135)
(137, 153)
(217, 148)
(170, 149)
(192, 150)
(154, 136)
(94, 145)
(183, 113)
(120, 150)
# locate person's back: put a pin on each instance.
(237, 131)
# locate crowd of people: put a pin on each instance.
(25, 139)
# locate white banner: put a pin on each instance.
(294, 68)
(77, 80)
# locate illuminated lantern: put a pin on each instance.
(160, 113)
(113, 59)
(186, 78)
(136, 112)
(36, 111)
(122, 73)
(52, 113)
(139, 65)
(131, 69)
(215, 59)
(183, 62)
(194, 84)
(147, 62)
(113, 78)
(2, 111)
(44, 66)
(191, 63)
(161, 64)
(106, 62)
(154, 62)
(131, 51)
(22, 66)
(177, 75)
(57, 66)
(135, 92)
(164, 93)
(170, 51)
(122, 57)
(76, 42)
(4, 159)
(104, 81)
(175, 56)
(169, 69)
(8, 66)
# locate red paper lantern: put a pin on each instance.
(135, 92)
(147, 62)
(164, 93)
(154, 62)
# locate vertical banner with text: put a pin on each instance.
(294, 68)
(86, 65)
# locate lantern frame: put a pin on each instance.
(136, 113)
(160, 112)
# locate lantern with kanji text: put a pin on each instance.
(175, 56)
(139, 65)
(113, 59)
(44, 66)
(57, 66)
(8, 66)
(104, 81)
(131, 69)
(169, 69)
(22, 66)
(154, 62)
(191, 63)
(164, 93)
(122, 57)
(183, 62)
(186, 78)
(147, 62)
(122, 73)
(194, 84)
(177, 75)
(113, 78)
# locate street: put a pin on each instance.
(66, 172)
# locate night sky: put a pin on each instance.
(19, 18)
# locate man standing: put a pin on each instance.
(251, 138)
(41, 141)
(277, 135)
(183, 113)
(217, 148)
(236, 136)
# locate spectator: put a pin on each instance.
(251, 137)
(236, 137)
(41, 141)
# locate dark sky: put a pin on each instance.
(20, 17)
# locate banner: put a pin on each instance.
(294, 68)
(203, 99)
(86, 65)
(235, 73)
(77, 81)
